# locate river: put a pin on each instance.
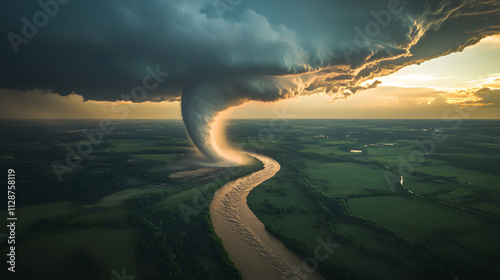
(254, 251)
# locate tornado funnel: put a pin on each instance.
(201, 105)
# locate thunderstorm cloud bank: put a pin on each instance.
(221, 53)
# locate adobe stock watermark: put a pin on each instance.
(95, 137)
(40, 19)
(310, 264)
(371, 30)
(223, 6)
(122, 276)
(201, 200)
(428, 146)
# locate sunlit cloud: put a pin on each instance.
(493, 41)
(492, 81)
(408, 80)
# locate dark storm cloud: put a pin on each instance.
(490, 97)
(100, 48)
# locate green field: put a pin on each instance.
(122, 205)
(60, 236)
(347, 178)
(379, 219)
(304, 223)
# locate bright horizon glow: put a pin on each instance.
(470, 68)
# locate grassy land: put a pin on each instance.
(387, 234)
(346, 178)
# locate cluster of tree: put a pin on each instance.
(270, 207)
(372, 192)
(326, 269)
(88, 185)
(303, 210)
(479, 163)
(276, 189)
(160, 151)
(144, 174)
(436, 178)
(88, 189)
(438, 192)
(363, 249)
(148, 199)
(178, 248)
